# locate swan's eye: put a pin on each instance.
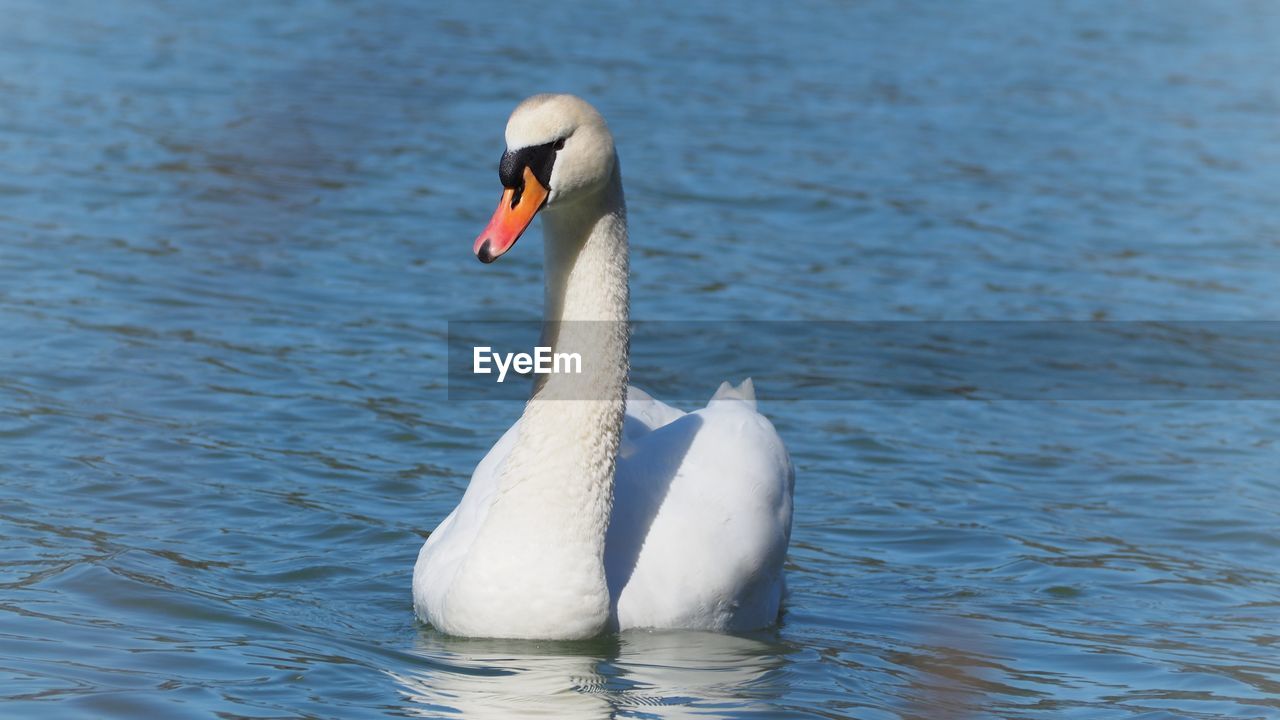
(559, 144)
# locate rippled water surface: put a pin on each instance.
(232, 236)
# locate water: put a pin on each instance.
(232, 236)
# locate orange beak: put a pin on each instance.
(515, 211)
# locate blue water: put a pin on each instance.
(232, 236)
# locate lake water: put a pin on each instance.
(232, 238)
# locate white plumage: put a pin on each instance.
(607, 509)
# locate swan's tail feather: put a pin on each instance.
(746, 392)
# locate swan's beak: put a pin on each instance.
(515, 211)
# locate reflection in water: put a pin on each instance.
(668, 674)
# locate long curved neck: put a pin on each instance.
(542, 542)
(586, 258)
(577, 417)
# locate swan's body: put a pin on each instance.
(602, 508)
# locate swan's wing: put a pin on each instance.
(745, 392)
(648, 410)
(701, 520)
(645, 413)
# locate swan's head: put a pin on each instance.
(558, 151)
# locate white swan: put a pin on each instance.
(603, 508)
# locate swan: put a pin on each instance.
(602, 508)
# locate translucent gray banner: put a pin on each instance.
(686, 361)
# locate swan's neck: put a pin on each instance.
(586, 259)
(542, 543)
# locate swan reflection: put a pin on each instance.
(654, 674)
